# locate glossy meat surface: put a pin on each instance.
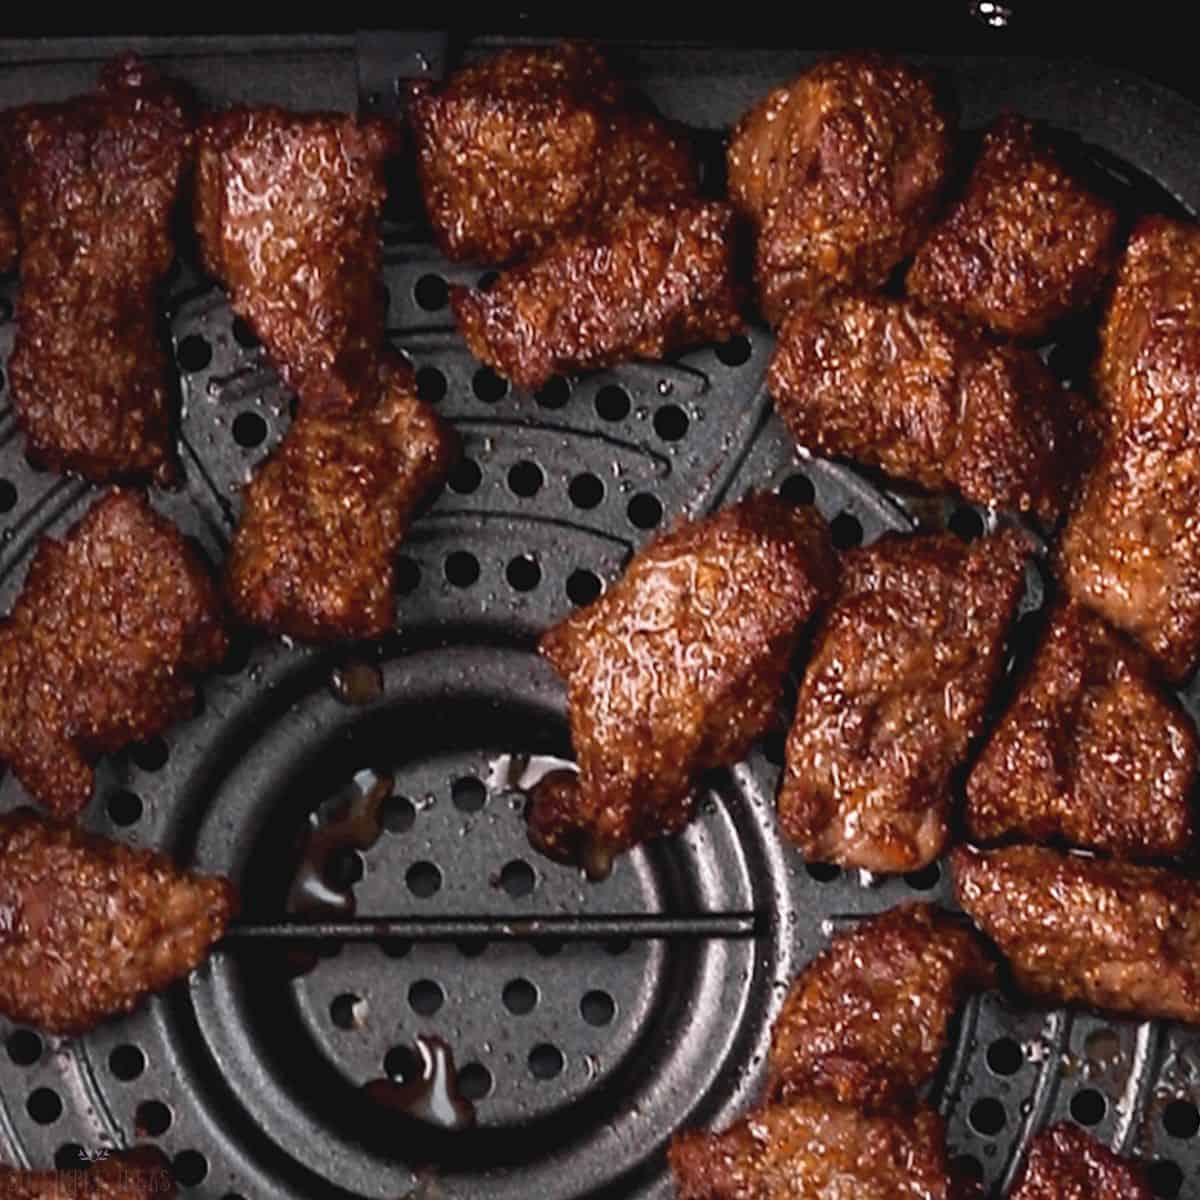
(814, 1149)
(677, 668)
(534, 143)
(867, 1021)
(1064, 1163)
(102, 646)
(92, 183)
(840, 171)
(313, 557)
(1131, 550)
(91, 926)
(134, 1175)
(1027, 245)
(1080, 930)
(889, 385)
(653, 281)
(901, 672)
(1091, 751)
(287, 210)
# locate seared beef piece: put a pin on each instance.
(1131, 550)
(887, 384)
(1064, 1163)
(531, 144)
(677, 668)
(867, 1020)
(102, 646)
(1027, 245)
(91, 184)
(1087, 931)
(1092, 751)
(91, 926)
(901, 671)
(653, 281)
(840, 171)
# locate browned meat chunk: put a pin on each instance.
(1027, 245)
(816, 1150)
(92, 926)
(1091, 751)
(324, 516)
(676, 669)
(92, 183)
(102, 645)
(896, 688)
(287, 209)
(887, 384)
(8, 236)
(1131, 550)
(1064, 1163)
(534, 143)
(141, 1174)
(1088, 931)
(654, 281)
(840, 171)
(867, 1020)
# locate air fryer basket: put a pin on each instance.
(583, 1056)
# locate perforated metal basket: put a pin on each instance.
(582, 1056)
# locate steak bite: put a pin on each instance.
(91, 184)
(840, 172)
(1064, 1163)
(1079, 930)
(1026, 246)
(1091, 751)
(534, 143)
(92, 926)
(102, 646)
(889, 385)
(653, 281)
(900, 675)
(867, 1021)
(676, 669)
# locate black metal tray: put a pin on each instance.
(584, 1057)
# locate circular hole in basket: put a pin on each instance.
(424, 879)
(44, 1106)
(194, 353)
(517, 879)
(399, 814)
(468, 794)
(925, 879)
(612, 403)
(126, 1062)
(431, 293)
(987, 1117)
(474, 1081)
(431, 384)
(24, 1047)
(462, 568)
(597, 1008)
(554, 394)
(523, 573)
(645, 510)
(348, 1011)
(583, 586)
(846, 531)
(822, 872)
(402, 1064)
(189, 1168)
(408, 575)
(1181, 1119)
(8, 496)
(344, 868)
(69, 1157)
(586, 490)
(465, 477)
(1166, 1178)
(249, 430)
(670, 423)
(1088, 1107)
(520, 997)
(1005, 1056)
(546, 1061)
(152, 1118)
(966, 523)
(488, 386)
(734, 352)
(425, 997)
(798, 489)
(124, 808)
(150, 755)
(525, 479)
(244, 335)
